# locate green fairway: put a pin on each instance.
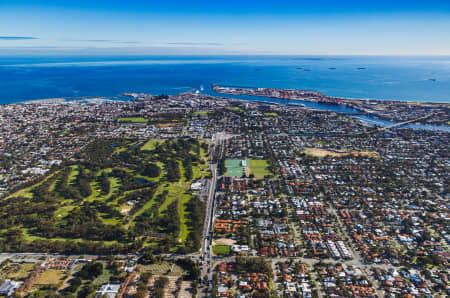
(26, 192)
(73, 174)
(151, 144)
(258, 167)
(184, 231)
(134, 119)
(114, 192)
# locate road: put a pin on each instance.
(407, 122)
(205, 257)
(357, 259)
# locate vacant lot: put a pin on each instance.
(221, 250)
(224, 241)
(17, 271)
(169, 124)
(323, 152)
(162, 268)
(50, 277)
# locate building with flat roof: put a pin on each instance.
(109, 290)
(9, 286)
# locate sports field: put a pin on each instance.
(258, 167)
(235, 168)
(134, 119)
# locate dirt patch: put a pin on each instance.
(223, 241)
(185, 290)
(317, 152)
(170, 290)
(125, 210)
(169, 124)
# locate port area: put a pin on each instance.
(436, 114)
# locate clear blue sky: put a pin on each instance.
(225, 27)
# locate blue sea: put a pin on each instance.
(392, 78)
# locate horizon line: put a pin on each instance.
(227, 54)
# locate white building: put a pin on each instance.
(109, 290)
(196, 186)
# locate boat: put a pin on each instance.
(432, 79)
(296, 104)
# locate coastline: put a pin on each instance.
(70, 100)
(346, 108)
(388, 110)
(413, 102)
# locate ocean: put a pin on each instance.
(391, 78)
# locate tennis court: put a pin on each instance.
(235, 167)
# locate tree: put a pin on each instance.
(85, 291)
(75, 283)
(151, 170)
(147, 259)
(91, 270)
(104, 183)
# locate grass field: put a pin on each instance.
(200, 113)
(258, 167)
(221, 250)
(236, 109)
(50, 277)
(134, 119)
